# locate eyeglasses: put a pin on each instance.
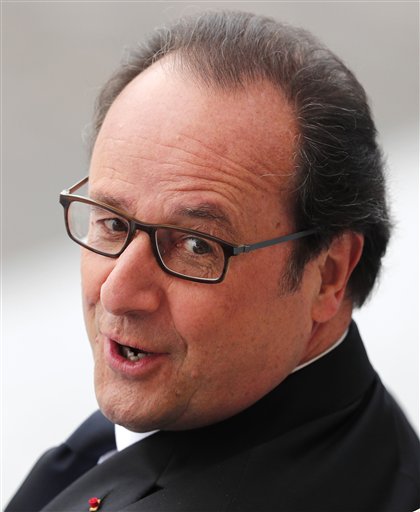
(180, 252)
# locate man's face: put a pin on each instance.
(169, 146)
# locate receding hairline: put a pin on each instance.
(282, 152)
(276, 161)
(191, 49)
(177, 63)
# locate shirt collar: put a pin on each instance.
(125, 438)
(333, 346)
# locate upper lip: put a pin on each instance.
(131, 344)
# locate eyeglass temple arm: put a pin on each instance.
(267, 243)
(76, 186)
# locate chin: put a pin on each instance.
(123, 407)
(125, 415)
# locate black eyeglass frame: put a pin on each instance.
(67, 196)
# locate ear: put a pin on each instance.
(335, 266)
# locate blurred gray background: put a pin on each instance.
(55, 56)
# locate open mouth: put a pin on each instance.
(132, 354)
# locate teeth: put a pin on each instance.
(138, 357)
(132, 354)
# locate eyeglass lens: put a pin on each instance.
(184, 253)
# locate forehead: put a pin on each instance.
(166, 132)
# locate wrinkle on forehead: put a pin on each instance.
(190, 156)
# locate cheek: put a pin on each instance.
(216, 320)
(199, 308)
(202, 319)
(242, 318)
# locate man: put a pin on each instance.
(235, 216)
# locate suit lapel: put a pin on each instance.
(124, 478)
(60, 466)
(204, 487)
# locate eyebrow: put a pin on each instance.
(123, 203)
(206, 211)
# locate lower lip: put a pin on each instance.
(135, 369)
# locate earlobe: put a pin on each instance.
(335, 267)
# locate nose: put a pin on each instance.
(134, 283)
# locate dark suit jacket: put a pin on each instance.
(328, 438)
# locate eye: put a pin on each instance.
(197, 246)
(115, 224)
(188, 254)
